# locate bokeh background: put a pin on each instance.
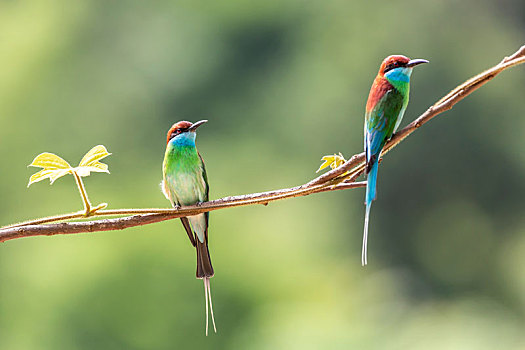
(282, 83)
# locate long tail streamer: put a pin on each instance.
(370, 196)
(365, 236)
(207, 297)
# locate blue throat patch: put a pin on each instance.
(184, 139)
(399, 74)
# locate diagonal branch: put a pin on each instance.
(150, 216)
(343, 177)
(444, 104)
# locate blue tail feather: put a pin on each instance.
(370, 196)
(371, 184)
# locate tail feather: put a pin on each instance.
(207, 282)
(205, 272)
(371, 182)
(204, 267)
(370, 196)
(365, 237)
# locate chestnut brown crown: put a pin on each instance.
(399, 61)
(394, 61)
(182, 127)
(178, 128)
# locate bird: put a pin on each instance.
(185, 183)
(387, 102)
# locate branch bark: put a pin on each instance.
(150, 216)
(343, 177)
(444, 104)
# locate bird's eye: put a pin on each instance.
(174, 133)
(392, 66)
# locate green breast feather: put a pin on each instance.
(185, 176)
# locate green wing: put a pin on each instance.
(381, 121)
(206, 196)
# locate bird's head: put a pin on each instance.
(398, 67)
(183, 132)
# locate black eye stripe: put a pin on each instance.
(177, 132)
(393, 65)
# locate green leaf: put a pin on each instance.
(55, 167)
(56, 174)
(91, 159)
(332, 161)
(39, 176)
(86, 170)
(90, 162)
(53, 175)
(49, 161)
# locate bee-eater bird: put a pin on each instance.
(185, 183)
(387, 102)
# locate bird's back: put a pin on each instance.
(382, 118)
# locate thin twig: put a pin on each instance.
(343, 177)
(83, 193)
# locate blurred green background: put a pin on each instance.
(282, 83)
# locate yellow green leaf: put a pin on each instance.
(90, 162)
(91, 159)
(52, 175)
(339, 160)
(49, 161)
(333, 161)
(55, 167)
(86, 170)
(327, 161)
(39, 176)
(58, 174)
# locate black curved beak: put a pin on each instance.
(413, 63)
(197, 124)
